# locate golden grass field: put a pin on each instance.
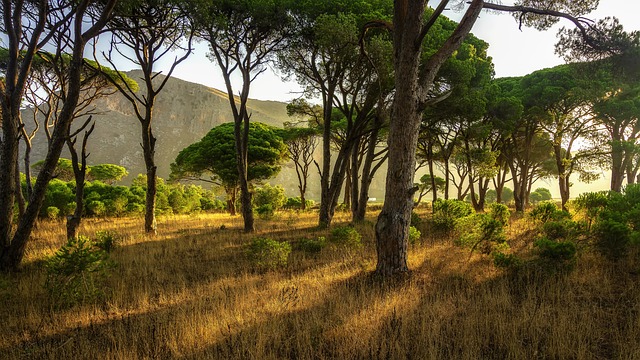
(191, 293)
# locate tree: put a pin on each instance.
(150, 30)
(107, 173)
(67, 26)
(242, 38)
(414, 80)
(213, 158)
(563, 100)
(426, 185)
(301, 143)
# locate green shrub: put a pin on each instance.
(500, 213)
(506, 261)
(76, 272)
(269, 195)
(106, 240)
(414, 235)
(268, 254)
(416, 220)
(546, 211)
(447, 212)
(539, 195)
(265, 211)
(53, 212)
(97, 207)
(312, 245)
(556, 255)
(346, 236)
(612, 238)
(482, 232)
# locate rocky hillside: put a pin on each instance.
(184, 113)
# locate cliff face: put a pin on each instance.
(183, 114)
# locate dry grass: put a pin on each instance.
(190, 293)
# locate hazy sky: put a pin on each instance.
(514, 52)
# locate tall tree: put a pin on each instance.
(414, 80)
(213, 159)
(243, 37)
(302, 143)
(563, 101)
(145, 32)
(67, 26)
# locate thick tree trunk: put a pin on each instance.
(8, 159)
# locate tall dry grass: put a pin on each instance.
(191, 293)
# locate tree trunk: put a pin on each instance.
(241, 130)
(148, 148)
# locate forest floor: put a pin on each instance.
(191, 292)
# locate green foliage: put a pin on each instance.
(482, 232)
(269, 195)
(76, 272)
(312, 245)
(106, 240)
(268, 254)
(416, 220)
(346, 236)
(613, 219)
(414, 235)
(59, 194)
(556, 255)
(215, 155)
(265, 211)
(540, 195)
(53, 212)
(296, 203)
(546, 211)
(612, 238)
(506, 261)
(447, 212)
(500, 213)
(507, 195)
(109, 173)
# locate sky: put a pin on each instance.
(515, 52)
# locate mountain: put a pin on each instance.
(183, 114)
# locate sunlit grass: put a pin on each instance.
(190, 292)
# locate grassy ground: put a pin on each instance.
(191, 293)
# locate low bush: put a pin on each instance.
(312, 245)
(414, 235)
(53, 212)
(268, 254)
(482, 232)
(76, 272)
(546, 211)
(447, 212)
(106, 240)
(346, 236)
(556, 255)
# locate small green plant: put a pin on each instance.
(544, 211)
(106, 240)
(414, 235)
(312, 245)
(612, 238)
(53, 212)
(269, 195)
(346, 236)
(447, 212)
(268, 254)
(500, 213)
(416, 220)
(506, 261)
(265, 211)
(556, 255)
(482, 232)
(76, 272)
